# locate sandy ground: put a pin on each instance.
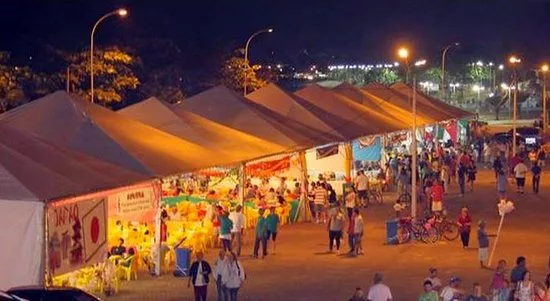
(301, 269)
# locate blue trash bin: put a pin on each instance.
(391, 232)
(183, 256)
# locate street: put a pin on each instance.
(301, 269)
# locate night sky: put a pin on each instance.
(305, 31)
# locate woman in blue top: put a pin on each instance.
(225, 231)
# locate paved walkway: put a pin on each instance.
(301, 270)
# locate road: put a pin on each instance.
(301, 270)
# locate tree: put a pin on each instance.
(384, 76)
(113, 74)
(497, 101)
(478, 73)
(235, 69)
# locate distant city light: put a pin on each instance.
(479, 63)
(420, 63)
(501, 67)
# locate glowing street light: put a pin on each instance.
(121, 13)
(403, 53)
(544, 69)
(268, 30)
(514, 61)
(501, 67)
(479, 63)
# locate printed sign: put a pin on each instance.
(77, 234)
(135, 200)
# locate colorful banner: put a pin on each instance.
(367, 150)
(77, 234)
(327, 151)
(268, 168)
(136, 203)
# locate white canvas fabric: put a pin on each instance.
(22, 233)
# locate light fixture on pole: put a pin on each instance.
(403, 53)
(544, 69)
(120, 12)
(442, 91)
(247, 65)
(514, 61)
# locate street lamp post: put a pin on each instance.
(122, 13)
(442, 91)
(246, 55)
(403, 54)
(544, 70)
(514, 61)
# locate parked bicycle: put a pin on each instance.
(447, 229)
(423, 230)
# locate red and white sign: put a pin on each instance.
(77, 234)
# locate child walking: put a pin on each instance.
(483, 242)
(465, 224)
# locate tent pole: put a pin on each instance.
(46, 277)
(304, 216)
(242, 181)
(158, 258)
(349, 159)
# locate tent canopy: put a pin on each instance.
(442, 106)
(192, 127)
(224, 106)
(74, 123)
(360, 121)
(34, 170)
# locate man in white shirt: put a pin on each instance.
(520, 172)
(451, 291)
(361, 184)
(379, 291)
(237, 218)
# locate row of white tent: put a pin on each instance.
(61, 146)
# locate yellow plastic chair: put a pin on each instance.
(127, 267)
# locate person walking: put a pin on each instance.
(199, 276)
(219, 265)
(233, 276)
(261, 234)
(226, 225)
(358, 232)
(520, 172)
(273, 221)
(361, 184)
(335, 229)
(350, 201)
(320, 200)
(237, 218)
(462, 170)
(536, 171)
(465, 224)
(379, 291)
(525, 290)
(502, 183)
(351, 234)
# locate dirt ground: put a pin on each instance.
(302, 270)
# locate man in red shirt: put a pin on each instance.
(437, 196)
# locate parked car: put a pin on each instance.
(41, 293)
(9, 297)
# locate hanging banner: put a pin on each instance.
(77, 234)
(268, 168)
(327, 151)
(135, 200)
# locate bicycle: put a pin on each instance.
(375, 195)
(420, 230)
(447, 229)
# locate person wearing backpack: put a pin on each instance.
(233, 276)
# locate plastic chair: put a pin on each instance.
(127, 267)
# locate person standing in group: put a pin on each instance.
(320, 202)
(429, 293)
(465, 224)
(237, 218)
(525, 290)
(311, 200)
(437, 195)
(462, 170)
(350, 201)
(483, 244)
(502, 183)
(434, 279)
(542, 157)
(477, 294)
(351, 234)
(361, 184)
(520, 172)
(452, 291)
(233, 276)
(498, 283)
(332, 199)
(261, 235)
(273, 221)
(335, 229)
(516, 275)
(536, 171)
(379, 291)
(472, 171)
(199, 276)
(358, 232)
(498, 166)
(226, 225)
(219, 265)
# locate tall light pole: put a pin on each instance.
(122, 13)
(544, 70)
(268, 30)
(442, 91)
(403, 53)
(514, 61)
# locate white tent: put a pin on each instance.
(33, 172)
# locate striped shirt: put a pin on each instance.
(320, 196)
